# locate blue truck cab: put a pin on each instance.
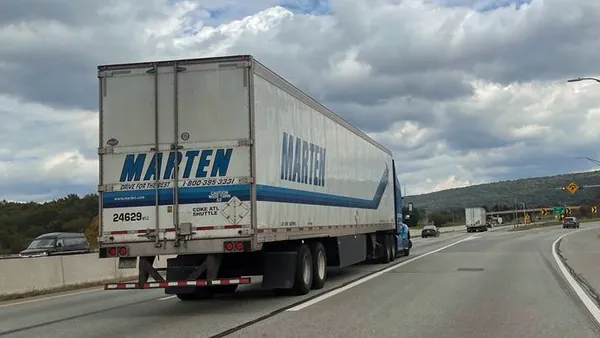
(403, 241)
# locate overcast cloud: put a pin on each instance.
(463, 91)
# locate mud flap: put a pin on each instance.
(279, 270)
(191, 267)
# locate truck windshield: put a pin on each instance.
(42, 243)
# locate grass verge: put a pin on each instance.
(66, 288)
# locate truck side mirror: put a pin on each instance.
(410, 207)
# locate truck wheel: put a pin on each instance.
(304, 271)
(319, 259)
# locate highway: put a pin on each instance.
(495, 284)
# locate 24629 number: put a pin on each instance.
(128, 217)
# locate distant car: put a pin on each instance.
(57, 243)
(570, 222)
(429, 231)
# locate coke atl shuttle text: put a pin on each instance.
(234, 172)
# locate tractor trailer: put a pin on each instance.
(232, 172)
(475, 219)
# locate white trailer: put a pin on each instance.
(268, 182)
(475, 219)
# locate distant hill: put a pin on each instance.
(535, 192)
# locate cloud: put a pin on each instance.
(463, 92)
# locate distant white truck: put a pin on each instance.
(475, 219)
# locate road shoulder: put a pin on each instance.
(578, 252)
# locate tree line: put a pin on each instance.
(22, 222)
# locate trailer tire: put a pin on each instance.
(393, 247)
(304, 271)
(385, 250)
(199, 293)
(319, 258)
(225, 289)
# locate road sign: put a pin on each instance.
(594, 209)
(544, 212)
(572, 187)
(527, 219)
(558, 210)
(568, 211)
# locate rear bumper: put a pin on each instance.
(196, 246)
(184, 283)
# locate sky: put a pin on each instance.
(462, 91)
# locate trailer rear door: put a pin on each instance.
(175, 150)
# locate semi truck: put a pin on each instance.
(475, 219)
(232, 172)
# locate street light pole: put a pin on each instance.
(588, 158)
(515, 213)
(579, 79)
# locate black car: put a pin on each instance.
(57, 243)
(570, 222)
(430, 231)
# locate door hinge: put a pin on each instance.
(106, 150)
(247, 180)
(106, 187)
(243, 64)
(245, 142)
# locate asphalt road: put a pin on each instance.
(494, 284)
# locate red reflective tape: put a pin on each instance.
(170, 230)
(119, 232)
(205, 228)
(232, 226)
(164, 284)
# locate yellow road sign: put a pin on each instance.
(594, 209)
(568, 211)
(544, 212)
(527, 219)
(572, 187)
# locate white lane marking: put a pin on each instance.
(587, 301)
(168, 297)
(369, 277)
(50, 297)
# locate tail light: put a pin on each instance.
(234, 246)
(114, 251)
(111, 252)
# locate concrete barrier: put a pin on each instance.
(46, 273)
